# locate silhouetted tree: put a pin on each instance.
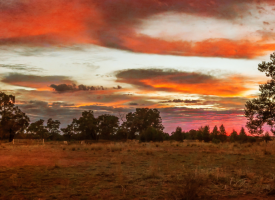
(192, 134)
(215, 133)
(234, 136)
(87, 125)
(69, 131)
(151, 134)
(12, 119)
(39, 129)
(242, 136)
(107, 125)
(53, 128)
(222, 134)
(199, 134)
(139, 121)
(121, 133)
(206, 134)
(178, 134)
(261, 110)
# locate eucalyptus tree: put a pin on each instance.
(12, 119)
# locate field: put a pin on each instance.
(132, 170)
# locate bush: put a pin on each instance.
(266, 137)
(251, 139)
(215, 141)
(191, 187)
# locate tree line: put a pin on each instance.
(144, 124)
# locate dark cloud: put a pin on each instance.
(133, 104)
(117, 88)
(73, 88)
(113, 24)
(187, 101)
(33, 80)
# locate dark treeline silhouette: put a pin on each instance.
(144, 124)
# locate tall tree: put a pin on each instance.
(70, 129)
(53, 128)
(215, 133)
(206, 134)
(261, 110)
(12, 119)
(87, 125)
(222, 133)
(38, 128)
(139, 121)
(107, 125)
(242, 135)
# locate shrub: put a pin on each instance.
(266, 137)
(251, 139)
(215, 141)
(191, 187)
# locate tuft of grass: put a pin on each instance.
(191, 187)
(266, 152)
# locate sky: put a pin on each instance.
(195, 61)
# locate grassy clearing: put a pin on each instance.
(132, 170)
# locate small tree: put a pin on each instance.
(70, 130)
(242, 136)
(38, 128)
(234, 136)
(215, 133)
(206, 134)
(53, 128)
(222, 134)
(193, 134)
(199, 134)
(178, 135)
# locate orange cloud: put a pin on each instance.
(113, 24)
(184, 82)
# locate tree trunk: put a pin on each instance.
(11, 135)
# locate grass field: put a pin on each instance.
(132, 170)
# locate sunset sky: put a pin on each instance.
(194, 60)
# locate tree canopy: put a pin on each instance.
(260, 111)
(12, 119)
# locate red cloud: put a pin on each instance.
(112, 24)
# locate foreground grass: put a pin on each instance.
(132, 170)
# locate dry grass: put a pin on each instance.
(132, 170)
